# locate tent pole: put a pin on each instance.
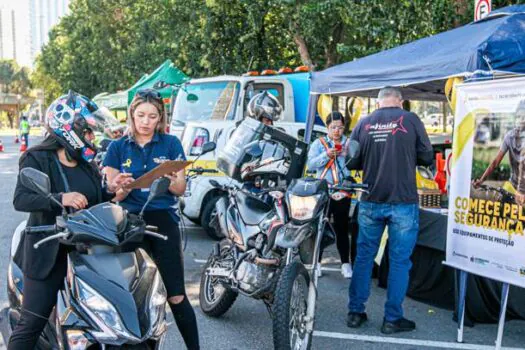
(444, 117)
(310, 118)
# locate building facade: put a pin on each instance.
(43, 15)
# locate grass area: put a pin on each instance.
(12, 132)
(487, 154)
(483, 156)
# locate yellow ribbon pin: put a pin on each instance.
(127, 164)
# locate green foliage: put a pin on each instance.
(107, 45)
(43, 80)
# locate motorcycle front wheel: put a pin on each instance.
(289, 308)
(215, 299)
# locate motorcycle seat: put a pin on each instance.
(251, 209)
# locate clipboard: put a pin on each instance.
(168, 167)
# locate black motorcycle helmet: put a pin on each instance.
(265, 105)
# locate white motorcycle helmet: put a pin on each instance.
(265, 105)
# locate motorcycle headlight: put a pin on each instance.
(76, 340)
(157, 303)
(106, 316)
(302, 208)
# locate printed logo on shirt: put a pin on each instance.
(392, 127)
(127, 163)
(160, 160)
(380, 131)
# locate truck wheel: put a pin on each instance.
(289, 307)
(208, 214)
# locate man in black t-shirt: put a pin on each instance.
(392, 143)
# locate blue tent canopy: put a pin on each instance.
(489, 47)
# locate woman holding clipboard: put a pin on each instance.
(147, 146)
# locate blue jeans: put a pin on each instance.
(403, 226)
(26, 139)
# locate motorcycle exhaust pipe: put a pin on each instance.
(264, 261)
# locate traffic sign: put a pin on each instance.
(481, 9)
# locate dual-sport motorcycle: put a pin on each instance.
(273, 237)
(110, 299)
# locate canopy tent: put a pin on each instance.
(167, 73)
(492, 46)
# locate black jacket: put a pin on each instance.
(37, 263)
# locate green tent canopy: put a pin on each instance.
(166, 72)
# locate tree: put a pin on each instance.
(8, 69)
(14, 80)
(107, 45)
(40, 79)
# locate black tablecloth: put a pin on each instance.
(435, 284)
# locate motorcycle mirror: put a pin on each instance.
(253, 149)
(36, 181)
(159, 186)
(208, 147)
(354, 149)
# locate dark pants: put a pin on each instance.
(169, 259)
(403, 225)
(40, 297)
(26, 139)
(339, 210)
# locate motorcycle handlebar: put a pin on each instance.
(47, 229)
(202, 171)
(351, 187)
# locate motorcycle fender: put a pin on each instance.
(291, 236)
(222, 206)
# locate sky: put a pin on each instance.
(23, 47)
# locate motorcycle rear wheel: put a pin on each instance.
(289, 308)
(215, 299)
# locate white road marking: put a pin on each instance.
(403, 341)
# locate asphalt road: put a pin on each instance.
(248, 326)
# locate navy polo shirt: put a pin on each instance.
(127, 156)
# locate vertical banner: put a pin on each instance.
(485, 233)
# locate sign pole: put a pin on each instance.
(461, 304)
(502, 312)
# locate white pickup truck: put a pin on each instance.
(208, 110)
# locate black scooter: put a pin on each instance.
(110, 299)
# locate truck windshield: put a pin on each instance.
(206, 101)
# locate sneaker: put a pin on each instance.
(401, 325)
(356, 319)
(319, 271)
(346, 270)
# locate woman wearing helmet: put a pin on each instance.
(64, 155)
(265, 108)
